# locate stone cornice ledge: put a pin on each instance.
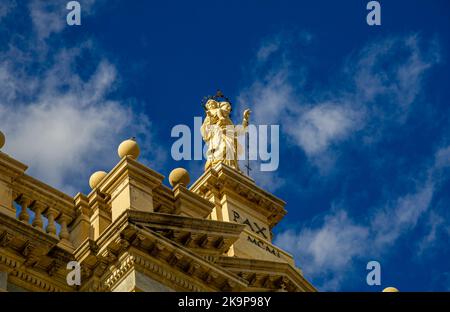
(26, 279)
(226, 180)
(240, 264)
(10, 166)
(170, 245)
(159, 270)
(168, 221)
(130, 168)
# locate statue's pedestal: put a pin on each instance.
(237, 198)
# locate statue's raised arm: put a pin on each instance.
(246, 117)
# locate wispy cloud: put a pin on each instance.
(377, 91)
(435, 224)
(374, 93)
(399, 216)
(321, 125)
(61, 122)
(327, 251)
(392, 70)
(49, 17)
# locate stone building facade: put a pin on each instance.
(133, 233)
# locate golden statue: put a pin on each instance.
(220, 134)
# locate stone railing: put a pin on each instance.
(43, 207)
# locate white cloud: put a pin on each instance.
(378, 90)
(400, 216)
(267, 49)
(322, 125)
(326, 253)
(442, 159)
(70, 127)
(389, 74)
(435, 224)
(63, 125)
(269, 98)
(327, 250)
(49, 16)
(280, 43)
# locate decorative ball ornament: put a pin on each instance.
(179, 176)
(2, 139)
(96, 178)
(129, 148)
(390, 289)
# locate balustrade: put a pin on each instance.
(43, 207)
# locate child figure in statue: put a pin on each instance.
(219, 132)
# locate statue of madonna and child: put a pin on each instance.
(220, 134)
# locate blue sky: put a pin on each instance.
(364, 113)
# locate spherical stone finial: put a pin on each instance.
(96, 178)
(129, 148)
(2, 139)
(390, 289)
(179, 176)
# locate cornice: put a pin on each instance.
(11, 167)
(271, 271)
(17, 228)
(173, 248)
(130, 168)
(222, 179)
(126, 265)
(122, 237)
(168, 275)
(170, 221)
(27, 279)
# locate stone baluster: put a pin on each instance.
(51, 227)
(24, 215)
(64, 233)
(38, 209)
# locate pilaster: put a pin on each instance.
(10, 170)
(130, 185)
(81, 226)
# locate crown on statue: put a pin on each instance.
(219, 97)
